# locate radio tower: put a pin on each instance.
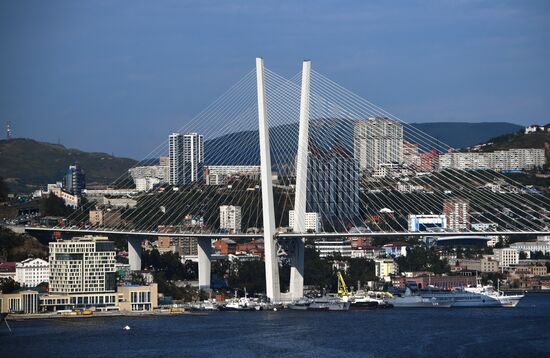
(8, 130)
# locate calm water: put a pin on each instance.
(523, 331)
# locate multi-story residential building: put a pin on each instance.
(69, 199)
(457, 212)
(425, 222)
(175, 155)
(82, 265)
(32, 272)
(186, 157)
(327, 247)
(532, 246)
(503, 160)
(230, 218)
(219, 174)
(506, 257)
(377, 141)
(146, 177)
(411, 155)
(333, 184)
(384, 268)
(105, 217)
(313, 221)
(75, 180)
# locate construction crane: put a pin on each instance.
(342, 288)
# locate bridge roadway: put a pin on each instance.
(281, 235)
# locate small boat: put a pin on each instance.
(362, 300)
(126, 328)
(301, 305)
(328, 303)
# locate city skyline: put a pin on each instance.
(68, 75)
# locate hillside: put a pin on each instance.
(27, 164)
(463, 134)
(519, 140)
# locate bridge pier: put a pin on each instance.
(300, 199)
(134, 253)
(204, 250)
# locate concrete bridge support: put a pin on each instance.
(134, 253)
(273, 289)
(297, 262)
(204, 249)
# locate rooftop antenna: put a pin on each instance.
(8, 130)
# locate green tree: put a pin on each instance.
(8, 285)
(53, 205)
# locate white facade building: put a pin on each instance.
(313, 221)
(377, 141)
(427, 223)
(230, 218)
(146, 184)
(532, 246)
(457, 213)
(82, 265)
(506, 257)
(32, 272)
(218, 174)
(327, 247)
(513, 159)
(186, 158)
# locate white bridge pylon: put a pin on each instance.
(297, 259)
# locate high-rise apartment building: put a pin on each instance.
(312, 221)
(82, 265)
(456, 211)
(333, 184)
(186, 158)
(230, 218)
(377, 141)
(75, 180)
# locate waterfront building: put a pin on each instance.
(75, 180)
(384, 268)
(506, 257)
(19, 302)
(329, 246)
(423, 222)
(219, 174)
(377, 140)
(32, 272)
(186, 158)
(502, 160)
(456, 211)
(333, 184)
(313, 221)
(441, 281)
(137, 298)
(230, 218)
(82, 265)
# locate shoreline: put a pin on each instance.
(55, 316)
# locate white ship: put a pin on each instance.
(411, 300)
(480, 296)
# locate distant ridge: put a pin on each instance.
(27, 164)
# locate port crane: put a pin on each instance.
(342, 287)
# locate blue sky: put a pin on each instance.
(119, 76)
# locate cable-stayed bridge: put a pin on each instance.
(344, 167)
